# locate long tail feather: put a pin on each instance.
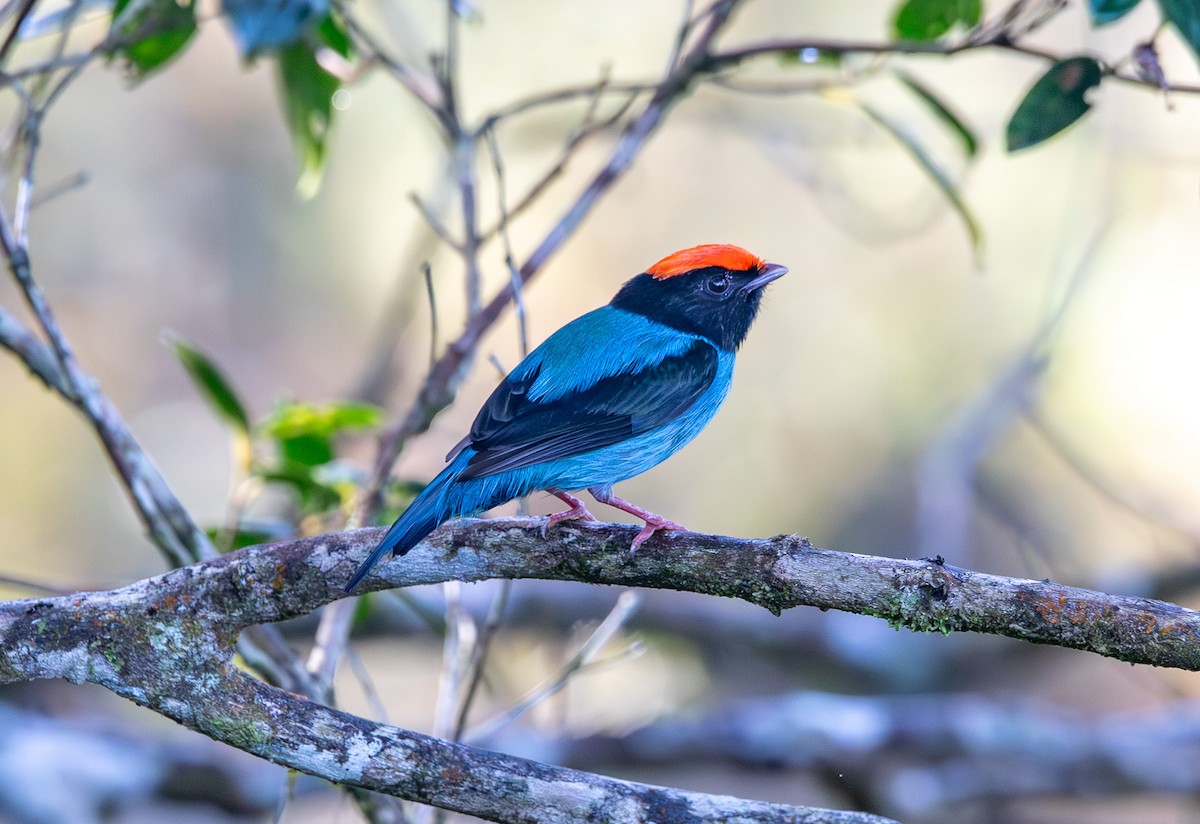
(416, 522)
(424, 515)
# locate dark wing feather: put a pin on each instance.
(512, 431)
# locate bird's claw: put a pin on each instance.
(658, 524)
(575, 513)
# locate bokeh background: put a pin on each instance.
(1030, 411)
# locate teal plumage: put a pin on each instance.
(606, 397)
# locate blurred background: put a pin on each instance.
(1029, 408)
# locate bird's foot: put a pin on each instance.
(654, 523)
(577, 512)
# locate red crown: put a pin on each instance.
(725, 255)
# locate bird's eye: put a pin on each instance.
(717, 284)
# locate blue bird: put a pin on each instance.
(606, 397)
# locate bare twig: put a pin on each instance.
(424, 89)
(165, 518)
(23, 10)
(479, 653)
(588, 126)
(29, 349)
(431, 295)
(621, 612)
(435, 222)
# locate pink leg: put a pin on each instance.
(577, 512)
(654, 523)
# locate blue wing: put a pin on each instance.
(571, 396)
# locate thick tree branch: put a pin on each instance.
(167, 643)
(960, 748)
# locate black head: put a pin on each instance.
(712, 290)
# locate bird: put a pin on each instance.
(606, 397)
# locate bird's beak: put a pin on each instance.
(770, 272)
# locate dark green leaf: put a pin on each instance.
(1106, 11)
(923, 20)
(942, 111)
(1054, 103)
(308, 104)
(935, 172)
(1184, 15)
(332, 33)
(153, 34)
(213, 385)
(243, 537)
(362, 611)
(312, 496)
(270, 25)
(308, 450)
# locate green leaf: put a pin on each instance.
(935, 172)
(242, 537)
(333, 33)
(311, 495)
(942, 112)
(292, 419)
(213, 385)
(153, 35)
(308, 104)
(308, 91)
(362, 611)
(307, 450)
(1054, 103)
(924, 20)
(1184, 15)
(1107, 11)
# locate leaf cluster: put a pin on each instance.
(294, 447)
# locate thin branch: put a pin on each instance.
(165, 518)
(1013, 747)
(588, 126)
(570, 93)
(423, 89)
(26, 6)
(1000, 39)
(506, 241)
(681, 36)
(627, 604)
(431, 296)
(479, 653)
(37, 356)
(435, 222)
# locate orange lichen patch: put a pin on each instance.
(725, 255)
(278, 584)
(1053, 609)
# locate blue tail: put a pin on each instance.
(442, 500)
